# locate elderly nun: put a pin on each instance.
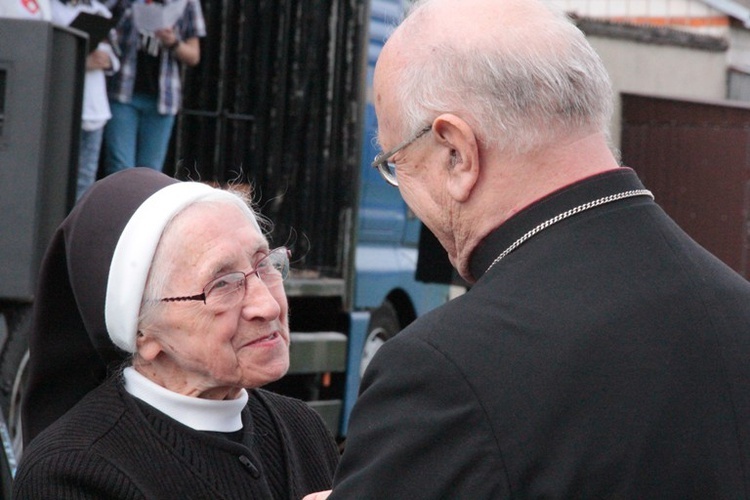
(173, 284)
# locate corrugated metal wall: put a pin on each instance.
(276, 102)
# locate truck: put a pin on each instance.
(280, 103)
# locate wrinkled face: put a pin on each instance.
(201, 352)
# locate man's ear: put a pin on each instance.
(462, 159)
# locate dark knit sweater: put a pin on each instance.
(110, 445)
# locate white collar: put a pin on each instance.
(196, 413)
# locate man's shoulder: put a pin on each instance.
(445, 320)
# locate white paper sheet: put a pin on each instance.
(150, 17)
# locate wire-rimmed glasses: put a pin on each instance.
(388, 168)
(225, 292)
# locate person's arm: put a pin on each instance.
(114, 61)
(418, 431)
(186, 51)
(98, 59)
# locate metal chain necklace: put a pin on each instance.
(568, 213)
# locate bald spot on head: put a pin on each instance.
(455, 31)
(516, 25)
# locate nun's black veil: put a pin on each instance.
(70, 349)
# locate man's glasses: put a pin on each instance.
(225, 292)
(387, 168)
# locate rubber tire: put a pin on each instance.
(384, 325)
(13, 371)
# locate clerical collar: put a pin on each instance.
(196, 413)
(578, 194)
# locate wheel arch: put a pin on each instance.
(404, 306)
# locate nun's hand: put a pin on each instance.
(320, 495)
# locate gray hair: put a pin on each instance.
(160, 270)
(516, 96)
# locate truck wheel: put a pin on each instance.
(13, 362)
(383, 325)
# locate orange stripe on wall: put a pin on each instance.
(693, 22)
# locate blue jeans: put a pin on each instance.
(136, 135)
(88, 159)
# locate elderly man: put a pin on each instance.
(600, 351)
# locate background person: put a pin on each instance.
(178, 278)
(146, 95)
(600, 352)
(96, 111)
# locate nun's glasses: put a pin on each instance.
(225, 292)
